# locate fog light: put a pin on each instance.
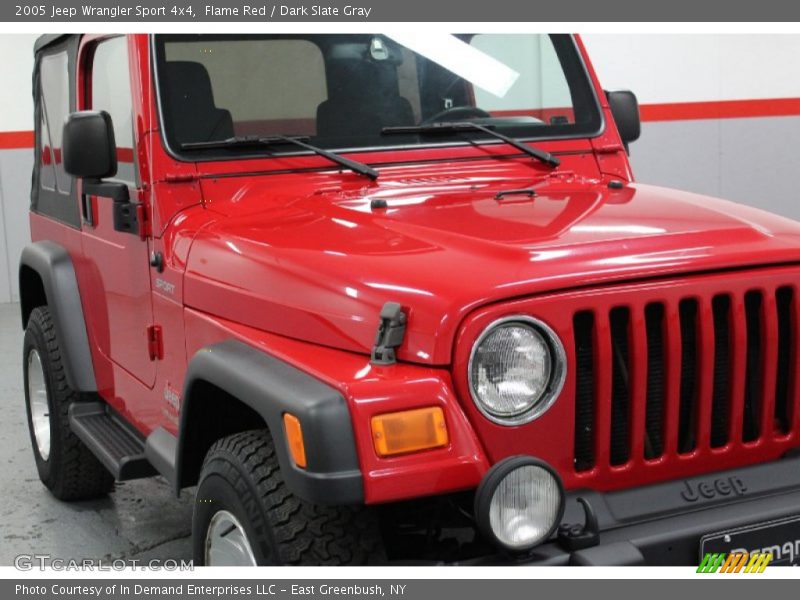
(519, 503)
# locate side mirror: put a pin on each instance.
(90, 152)
(88, 145)
(625, 109)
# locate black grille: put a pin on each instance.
(752, 305)
(784, 300)
(689, 381)
(656, 380)
(583, 325)
(620, 386)
(721, 306)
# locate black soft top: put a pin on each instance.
(46, 40)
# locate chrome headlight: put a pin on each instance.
(516, 370)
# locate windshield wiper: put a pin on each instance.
(462, 126)
(242, 141)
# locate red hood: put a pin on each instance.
(318, 266)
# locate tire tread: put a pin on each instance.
(304, 533)
(78, 475)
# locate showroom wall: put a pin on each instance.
(721, 112)
(721, 116)
(16, 155)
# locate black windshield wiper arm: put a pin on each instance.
(297, 140)
(462, 126)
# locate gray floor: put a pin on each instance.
(141, 520)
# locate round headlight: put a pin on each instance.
(516, 370)
(519, 503)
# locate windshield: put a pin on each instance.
(343, 90)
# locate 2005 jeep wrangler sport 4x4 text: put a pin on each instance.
(393, 298)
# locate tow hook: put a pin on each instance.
(577, 537)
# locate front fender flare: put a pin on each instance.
(272, 387)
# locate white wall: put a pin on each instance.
(15, 81)
(667, 68)
(16, 114)
(750, 157)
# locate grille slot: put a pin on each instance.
(684, 375)
(619, 320)
(656, 382)
(784, 300)
(689, 384)
(750, 425)
(583, 327)
(721, 307)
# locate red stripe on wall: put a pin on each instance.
(723, 109)
(125, 155)
(10, 140)
(675, 111)
(16, 139)
(692, 111)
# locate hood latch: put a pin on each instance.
(391, 331)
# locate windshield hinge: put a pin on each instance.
(610, 148)
(391, 331)
(143, 221)
(180, 177)
(131, 217)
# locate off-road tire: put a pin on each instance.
(241, 475)
(71, 471)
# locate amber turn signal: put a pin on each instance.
(409, 431)
(294, 435)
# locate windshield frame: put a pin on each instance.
(434, 142)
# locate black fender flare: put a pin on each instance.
(54, 267)
(272, 387)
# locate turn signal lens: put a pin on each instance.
(409, 431)
(294, 435)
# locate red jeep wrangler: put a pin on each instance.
(398, 299)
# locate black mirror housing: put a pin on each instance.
(625, 109)
(88, 145)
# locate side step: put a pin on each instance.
(111, 440)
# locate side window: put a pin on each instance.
(52, 194)
(111, 91)
(54, 99)
(47, 167)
